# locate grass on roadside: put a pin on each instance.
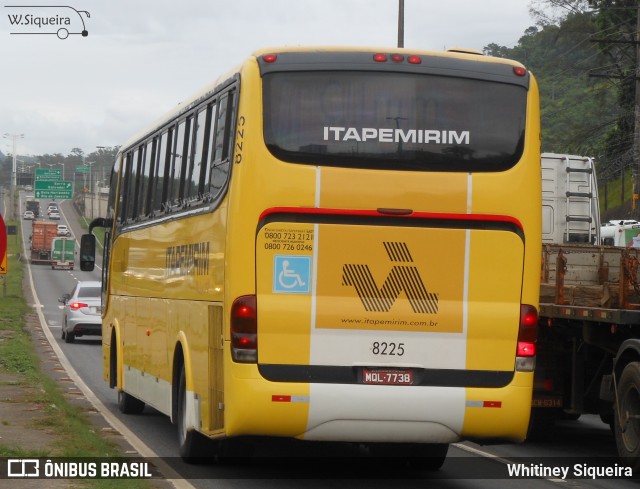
(76, 436)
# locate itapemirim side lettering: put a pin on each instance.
(402, 278)
(187, 259)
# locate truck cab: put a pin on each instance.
(570, 206)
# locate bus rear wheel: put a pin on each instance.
(627, 416)
(192, 445)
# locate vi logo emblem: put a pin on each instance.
(403, 277)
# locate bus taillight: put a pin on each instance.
(244, 329)
(527, 338)
(519, 70)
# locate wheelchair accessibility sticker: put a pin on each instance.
(291, 274)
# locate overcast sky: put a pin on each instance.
(141, 57)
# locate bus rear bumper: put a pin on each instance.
(378, 413)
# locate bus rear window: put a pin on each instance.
(396, 121)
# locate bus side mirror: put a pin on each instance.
(87, 252)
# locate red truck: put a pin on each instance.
(44, 232)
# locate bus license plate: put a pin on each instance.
(382, 376)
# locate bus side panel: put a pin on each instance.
(213, 411)
(521, 188)
(518, 192)
(495, 289)
(254, 406)
(163, 281)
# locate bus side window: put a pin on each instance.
(159, 176)
(174, 166)
(132, 194)
(221, 119)
(178, 164)
(166, 187)
(113, 186)
(146, 178)
(123, 201)
(223, 135)
(198, 156)
(185, 147)
(212, 111)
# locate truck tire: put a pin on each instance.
(627, 416)
(541, 423)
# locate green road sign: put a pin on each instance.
(82, 169)
(48, 175)
(53, 190)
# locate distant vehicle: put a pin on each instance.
(28, 215)
(63, 253)
(616, 222)
(28, 188)
(82, 311)
(619, 233)
(52, 208)
(42, 236)
(63, 230)
(33, 205)
(54, 215)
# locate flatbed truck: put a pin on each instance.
(588, 351)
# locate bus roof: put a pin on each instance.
(211, 88)
(459, 53)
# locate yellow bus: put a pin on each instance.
(331, 244)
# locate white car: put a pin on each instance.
(82, 311)
(54, 215)
(28, 215)
(63, 230)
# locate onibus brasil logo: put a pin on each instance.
(403, 277)
(59, 20)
